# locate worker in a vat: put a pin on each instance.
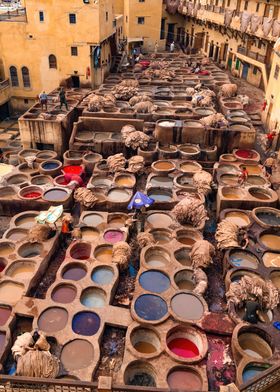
(243, 176)
(269, 139)
(73, 181)
(252, 311)
(62, 98)
(270, 164)
(66, 229)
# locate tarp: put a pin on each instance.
(267, 25)
(256, 20)
(276, 28)
(228, 17)
(140, 200)
(244, 21)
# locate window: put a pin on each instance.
(52, 61)
(41, 16)
(257, 7)
(255, 70)
(126, 18)
(14, 76)
(141, 20)
(276, 72)
(72, 18)
(74, 51)
(141, 1)
(25, 101)
(25, 77)
(217, 2)
(245, 5)
(106, 16)
(228, 3)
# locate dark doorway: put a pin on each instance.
(245, 70)
(4, 111)
(170, 33)
(75, 81)
(198, 41)
(211, 49)
(216, 56)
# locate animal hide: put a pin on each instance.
(201, 254)
(172, 6)
(121, 254)
(244, 21)
(256, 21)
(267, 25)
(276, 28)
(228, 17)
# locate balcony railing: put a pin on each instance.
(253, 55)
(4, 84)
(18, 15)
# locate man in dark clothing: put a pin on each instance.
(62, 98)
(252, 309)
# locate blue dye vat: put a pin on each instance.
(50, 165)
(150, 307)
(154, 281)
(252, 371)
(86, 323)
(102, 275)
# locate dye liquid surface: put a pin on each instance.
(183, 348)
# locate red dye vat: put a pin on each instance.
(113, 236)
(32, 195)
(72, 170)
(183, 348)
(245, 154)
(2, 266)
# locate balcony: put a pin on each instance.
(4, 91)
(253, 55)
(18, 15)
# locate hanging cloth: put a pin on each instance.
(244, 21)
(172, 6)
(267, 25)
(228, 17)
(256, 21)
(276, 28)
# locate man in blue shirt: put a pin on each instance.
(43, 97)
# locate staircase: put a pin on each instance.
(117, 60)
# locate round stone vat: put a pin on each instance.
(72, 169)
(189, 151)
(103, 275)
(17, 179)
(86, 323)
(5, 312)
(223, 167)
(184, 280)
(253, 169)
(102, 181)
(29, 249)
(190, 167)
(238, 217)
(103, 253)
(125, 180)
(160, 195)
(6, 248)
(21, 270)
(203, 112)
(30, 192)
(71, 357)
(154, 281)
(41, 180)
(90, 160)
(162, 236)
(235, 276)
(247, 154)
(72, 157)
(89, 233)
(119, 195)
(254, 342)
(275, 278)
(93, 297)
(3, 263)
(184, 378)
(64, 293)
(74, 271)
(163, 167)
(260, 193)
(159, 219)
(84, 136)
(7, 192)
(51, 167)
(229, 179)
(10, 292)
(243, 259)
(227, 158)
(24, 168)
(182, 255)
(156, 256)
(187, 306)
(161, 181)
(188, 237)
(232, 193)
(253, 370)
(93, 219)
(267, 216)
(53, 319)
(26, 220)
(140, 373)
(55, 195)
(270, 240)
(60, 181)
(271, 259)
(28, 152)
(256, 180)
(45, 155)
(81, 251)
(186, 343)
(145, 341)
(102, 165)
(150, 307)
(113, 236)
(116, 220)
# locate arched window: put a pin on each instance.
(25, 77)
(52, 61)
(14, 76)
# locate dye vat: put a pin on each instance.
(239, 218)
(254, 345)
(229, 179)
(160, 195)
(190, 167)
(162, 181)
(188, 237)
(81, 251)
(163, 166)
(275, 278)
(16, 234)
(53, 320)
(93, 219)
(260, 193)
(116, 221)
(74, 271)
(246, 154)
(184, 379)
(101, 182)
(154, 281)
(71, 357)
(10, 292)
(26, 221)
(161, 236)
(103, 253)
(271, 259)
(271, 241)
(93, 297)
(252, 371)
(56, 195)
(86, 323)
(72, 169)
(187, 306)
(254, 169)
(182, 255)
(125, 181)
(89, 234)
(140, 373)
(21, 270)
(183, 347)
(113, 236)
(243, 259)
(102, 275)
(6, 249)
(232, 193)
(29, 250)
(145, 341)
(184, 280)
(150, 307)
(270, 217)
(64, 294)
(158, 219)
(156, 256)
(2, 341)
(5, 312)
(256, 180)
(3, 263)
(119, 195)
(30, 192)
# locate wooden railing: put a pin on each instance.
(253, 55)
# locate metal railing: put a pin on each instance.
(4, 84)
(253, 55)
(13, 15)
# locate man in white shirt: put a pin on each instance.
(172, 47)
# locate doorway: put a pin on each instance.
(170, 33)
(4, 111)
(245, 71)
(211, 49)
(75, 81)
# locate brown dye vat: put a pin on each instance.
(30, 250)
(260, 193)
(16, 234)
(41, 180)
(161, 236)
(71, 357)
(275, 278)
(271, 259)
(232, 193)
(164, 166)
(229, 179)
(239, 218)
(25, 221)
(184, 280)
(160, 220)
(256, 180)
(184, 379)
(125, 181)
(7, 192)
(254, 346)
(17, 179)
(116, 221)
(182, 255)
(187, 306)
(21, 270)
(103, 253)
(164, 131)
(190, 167)
(6, 248)
(89, 233)
(157, 256)
(64, 294)
(10, 292)
(145, 341)
(253, 169)
(271, 241)
(53, 320)
(93, 219)
(228, 158)
(118, 195)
